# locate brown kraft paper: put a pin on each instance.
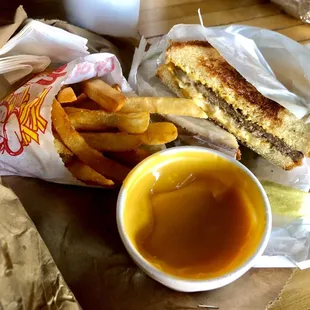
(29, 278)
(78, 226)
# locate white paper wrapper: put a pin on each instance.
(261, 56)
(34, 48)
(39, 39)
(26, 139)
(14, 68)
(297, 8)
(264, 58)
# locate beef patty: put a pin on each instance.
(237, 116)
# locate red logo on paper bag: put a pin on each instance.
(52, 77)
(104, 66)
(21, 121)
(101, 67)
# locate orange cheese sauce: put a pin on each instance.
(195, 216)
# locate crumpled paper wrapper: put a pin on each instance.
(254, 52)
(263, 57)
(29, 277)
(290, 223)
(20, 57)
(298, 8)
(59, 45)
(26, 139)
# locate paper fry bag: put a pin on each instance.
(26, 139)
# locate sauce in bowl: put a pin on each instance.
(193, 216)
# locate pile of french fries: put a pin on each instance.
(100, 134)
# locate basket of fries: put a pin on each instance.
(82, 124)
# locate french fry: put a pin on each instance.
(130, 158)
(156, 134)
(70, 110)
(117, 87)
(88, 104)
(153, 148)
(88, 125)
(66, 96)
(177, 106)
(81, 98)
(83, 102)
(74, 142)
(65, 154)
(84, 120)
(106, 96)
(113, 142)
(86, 174)
(159, 133)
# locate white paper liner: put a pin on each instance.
(245, 48)
(276, 65)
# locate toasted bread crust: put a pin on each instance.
(260, 146)
(174, 44)
(203, 63)
(231, 78)
(218, 67)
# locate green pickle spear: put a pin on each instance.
(287, 202)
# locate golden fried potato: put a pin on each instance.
(117, 87)
(66, 96)
(86, 174)
(107, 97)
(177, 106)
(159, 133)
(113, 142)
(76, 144)
(86, 120)
(130, 158)
(88, 104)
(65, 154)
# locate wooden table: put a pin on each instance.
(80, 229)
(158, 16)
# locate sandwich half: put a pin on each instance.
(195, 69)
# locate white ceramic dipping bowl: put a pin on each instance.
(177, 283)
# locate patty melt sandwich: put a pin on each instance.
(195, 69)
